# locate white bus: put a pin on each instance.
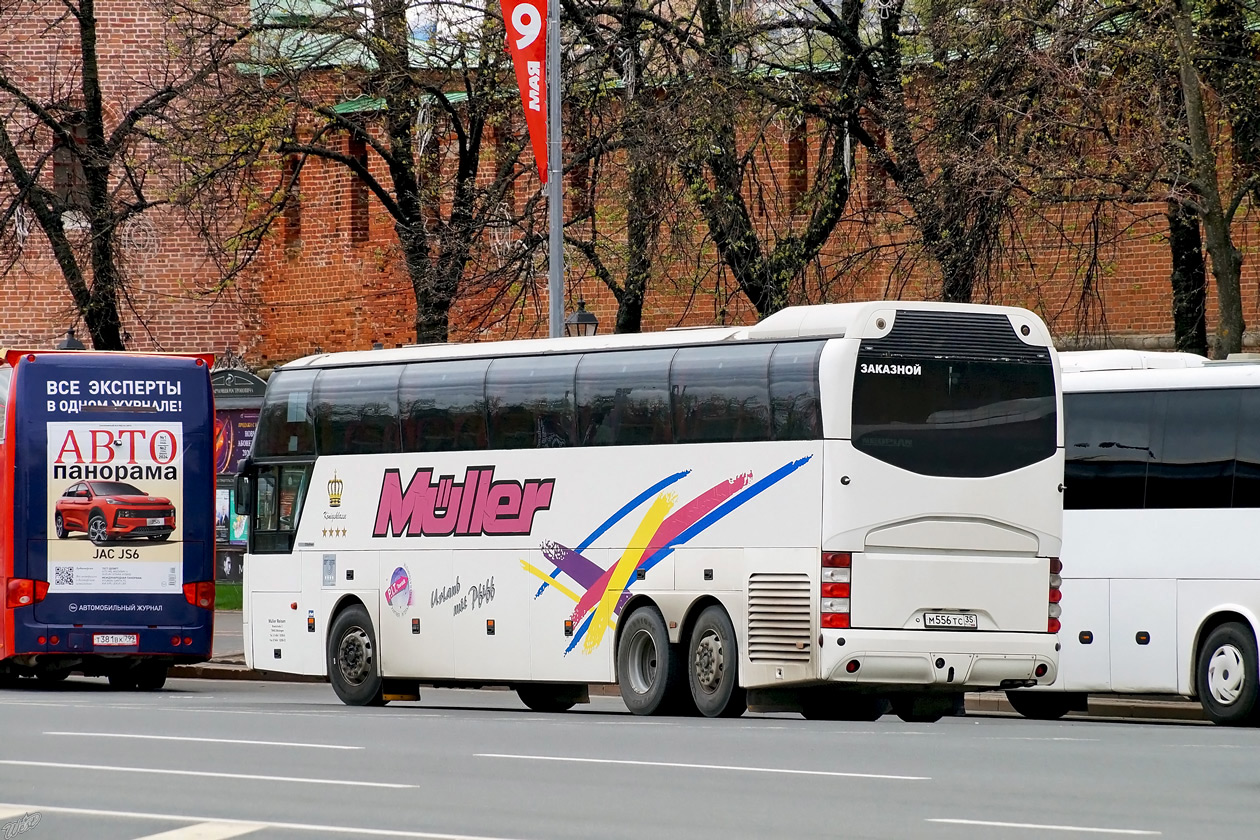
(849, 507)
(1161, 590)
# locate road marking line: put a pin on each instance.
(206, 831)
(1018, 738)
(706, 767)
(1036, 827)
(206, 740)
(203, 773)
(287, 826)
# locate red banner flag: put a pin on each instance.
(526, 24)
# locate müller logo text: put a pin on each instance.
(443, 507)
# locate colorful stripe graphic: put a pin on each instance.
(659, 532)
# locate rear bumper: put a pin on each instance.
(945, 660)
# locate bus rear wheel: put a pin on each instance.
(1041, 705)
(352, 661)
(922, 708)
(150, 676)
(827, 704)
(713, 666)
(648, 671)
(550, 698)
(1227, 677)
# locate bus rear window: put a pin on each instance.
(954, 417)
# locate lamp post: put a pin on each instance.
(70, 342)
(581, 322)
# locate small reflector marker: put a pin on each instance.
(42, 640)
(187, 640)
(175, 641)
(415, 626)
(568, 627)
(293, 606)
(673, 625)
(55, 640)
(400, 698)
(1086, 637)
(852, 666)
(489, 626)
(1143, 638)
(1041, 669)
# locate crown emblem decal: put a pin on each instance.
(334, 491)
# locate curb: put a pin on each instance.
(994, 702)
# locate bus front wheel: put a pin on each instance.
(1226, 676)
(647, 669)
(352, 660)
(713, 666)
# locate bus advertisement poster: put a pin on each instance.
(115, 505)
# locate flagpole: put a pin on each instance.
(555, 176)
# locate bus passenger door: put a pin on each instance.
(1085, 637)
(1143, 635)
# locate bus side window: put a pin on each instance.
(266, 495)
(286, 424)
(531, 401)
(721, 393)
(1247, 467)
(1194, 467)
(1107, 447)
(794, 399)
(356, 410)
(623, 398)
(442, 405)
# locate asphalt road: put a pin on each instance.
(218, 759)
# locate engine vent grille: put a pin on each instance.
(779, 613)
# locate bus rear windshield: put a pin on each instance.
(954, 417)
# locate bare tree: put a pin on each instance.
(89, 147)
(417, 100)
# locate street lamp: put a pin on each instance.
(581, 322)
(70, 342)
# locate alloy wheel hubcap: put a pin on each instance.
(643, 662)
(1226, 674)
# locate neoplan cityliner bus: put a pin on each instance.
(107, 482)
(842, 508)
(1162, 481)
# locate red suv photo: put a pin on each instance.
(111, 510)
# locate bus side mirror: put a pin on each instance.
(244, 495)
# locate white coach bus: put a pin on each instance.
(1161, 590)
(849, 507)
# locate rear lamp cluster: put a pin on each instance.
(836, 579)
(1056, 581)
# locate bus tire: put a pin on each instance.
(123, 680)
(1227, 676)
(1040, 705)
(352, 660)
(150, 676)
(98, 531)
(825, 704)
(713, 666)
(60, 525)
(922, 708)
(548, 698)
(647, 670)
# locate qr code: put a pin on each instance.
(64, 575)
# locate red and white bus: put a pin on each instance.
(106, 515)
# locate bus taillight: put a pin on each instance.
(200, 594)
(22, 592)
(1053, 625)
(836, 580)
